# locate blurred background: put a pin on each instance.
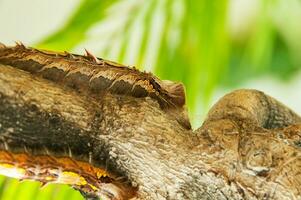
(213, 47)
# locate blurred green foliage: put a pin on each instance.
(197, 42)
(12, 189)
(188, 40)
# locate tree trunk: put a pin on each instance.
(118, 133)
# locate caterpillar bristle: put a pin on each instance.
(92, 56)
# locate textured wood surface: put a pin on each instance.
(133, 128)
(88, 74)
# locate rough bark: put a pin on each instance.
(247, 148)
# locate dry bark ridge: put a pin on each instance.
(132, 130)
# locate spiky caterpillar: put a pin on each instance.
(96, 76)
(247, 148)
(49, 169)
(92, 77)
(48, 144)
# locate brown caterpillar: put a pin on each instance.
(97, 76)
(48, 169)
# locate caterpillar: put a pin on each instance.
(96, 76)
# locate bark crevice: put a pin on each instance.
(247, 148)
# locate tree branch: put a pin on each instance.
(55, 126)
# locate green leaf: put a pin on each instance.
(88, 13)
